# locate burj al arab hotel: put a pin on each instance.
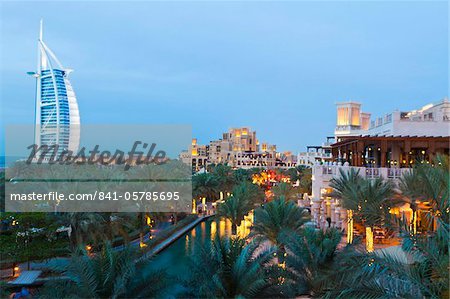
(57, 115)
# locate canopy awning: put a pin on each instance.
(26, 278)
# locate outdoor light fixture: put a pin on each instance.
(15, 271)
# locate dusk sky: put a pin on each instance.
(277, 67)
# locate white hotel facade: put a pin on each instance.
(57, 118)
(385, 147)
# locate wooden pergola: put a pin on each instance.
(389, 151)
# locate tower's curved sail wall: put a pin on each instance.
(57, 114)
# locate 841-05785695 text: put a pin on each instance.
(98, 195)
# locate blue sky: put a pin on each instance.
(278, 67)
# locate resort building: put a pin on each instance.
(350, 120)
(430, 120)
(285, 160)
(388, 147)
(316, 153)
(197, 155)
(239, 148)
(57, 117)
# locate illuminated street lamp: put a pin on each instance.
(204, 206)
(194, 207)
(16, 270)
(150, 225)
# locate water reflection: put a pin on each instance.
(222, 225)
(246, 224)
(175, 258)
(213, 229)
(203, 230)
(207, 230)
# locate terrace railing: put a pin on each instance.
(329, 171)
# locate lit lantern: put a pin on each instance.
(369, 239)
(415, 222)
(350, 227)
(16, 270)
(194, 207)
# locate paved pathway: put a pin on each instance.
(135, 242)
(166, 243)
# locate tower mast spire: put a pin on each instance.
(41, 29)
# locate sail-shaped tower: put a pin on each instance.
(57, 115)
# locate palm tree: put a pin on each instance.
(303, 174)
(434, 180)
(205, 185)
(84, 227)
(243, 200)
(374, 206)
(108, 274)
(420, 268)
(224, 176)
(410, 188)
(277, 218)
(149, 173)
(234, 209)
(285, 190)
(228, 268)
(242, 175)
(117, 224)
(251, 192)
(346, 187)
(310, 256)
(365, 199)
(305, 178)
(357, 274)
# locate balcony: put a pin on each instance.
(327, 172)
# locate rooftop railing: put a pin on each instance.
(332, 170)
